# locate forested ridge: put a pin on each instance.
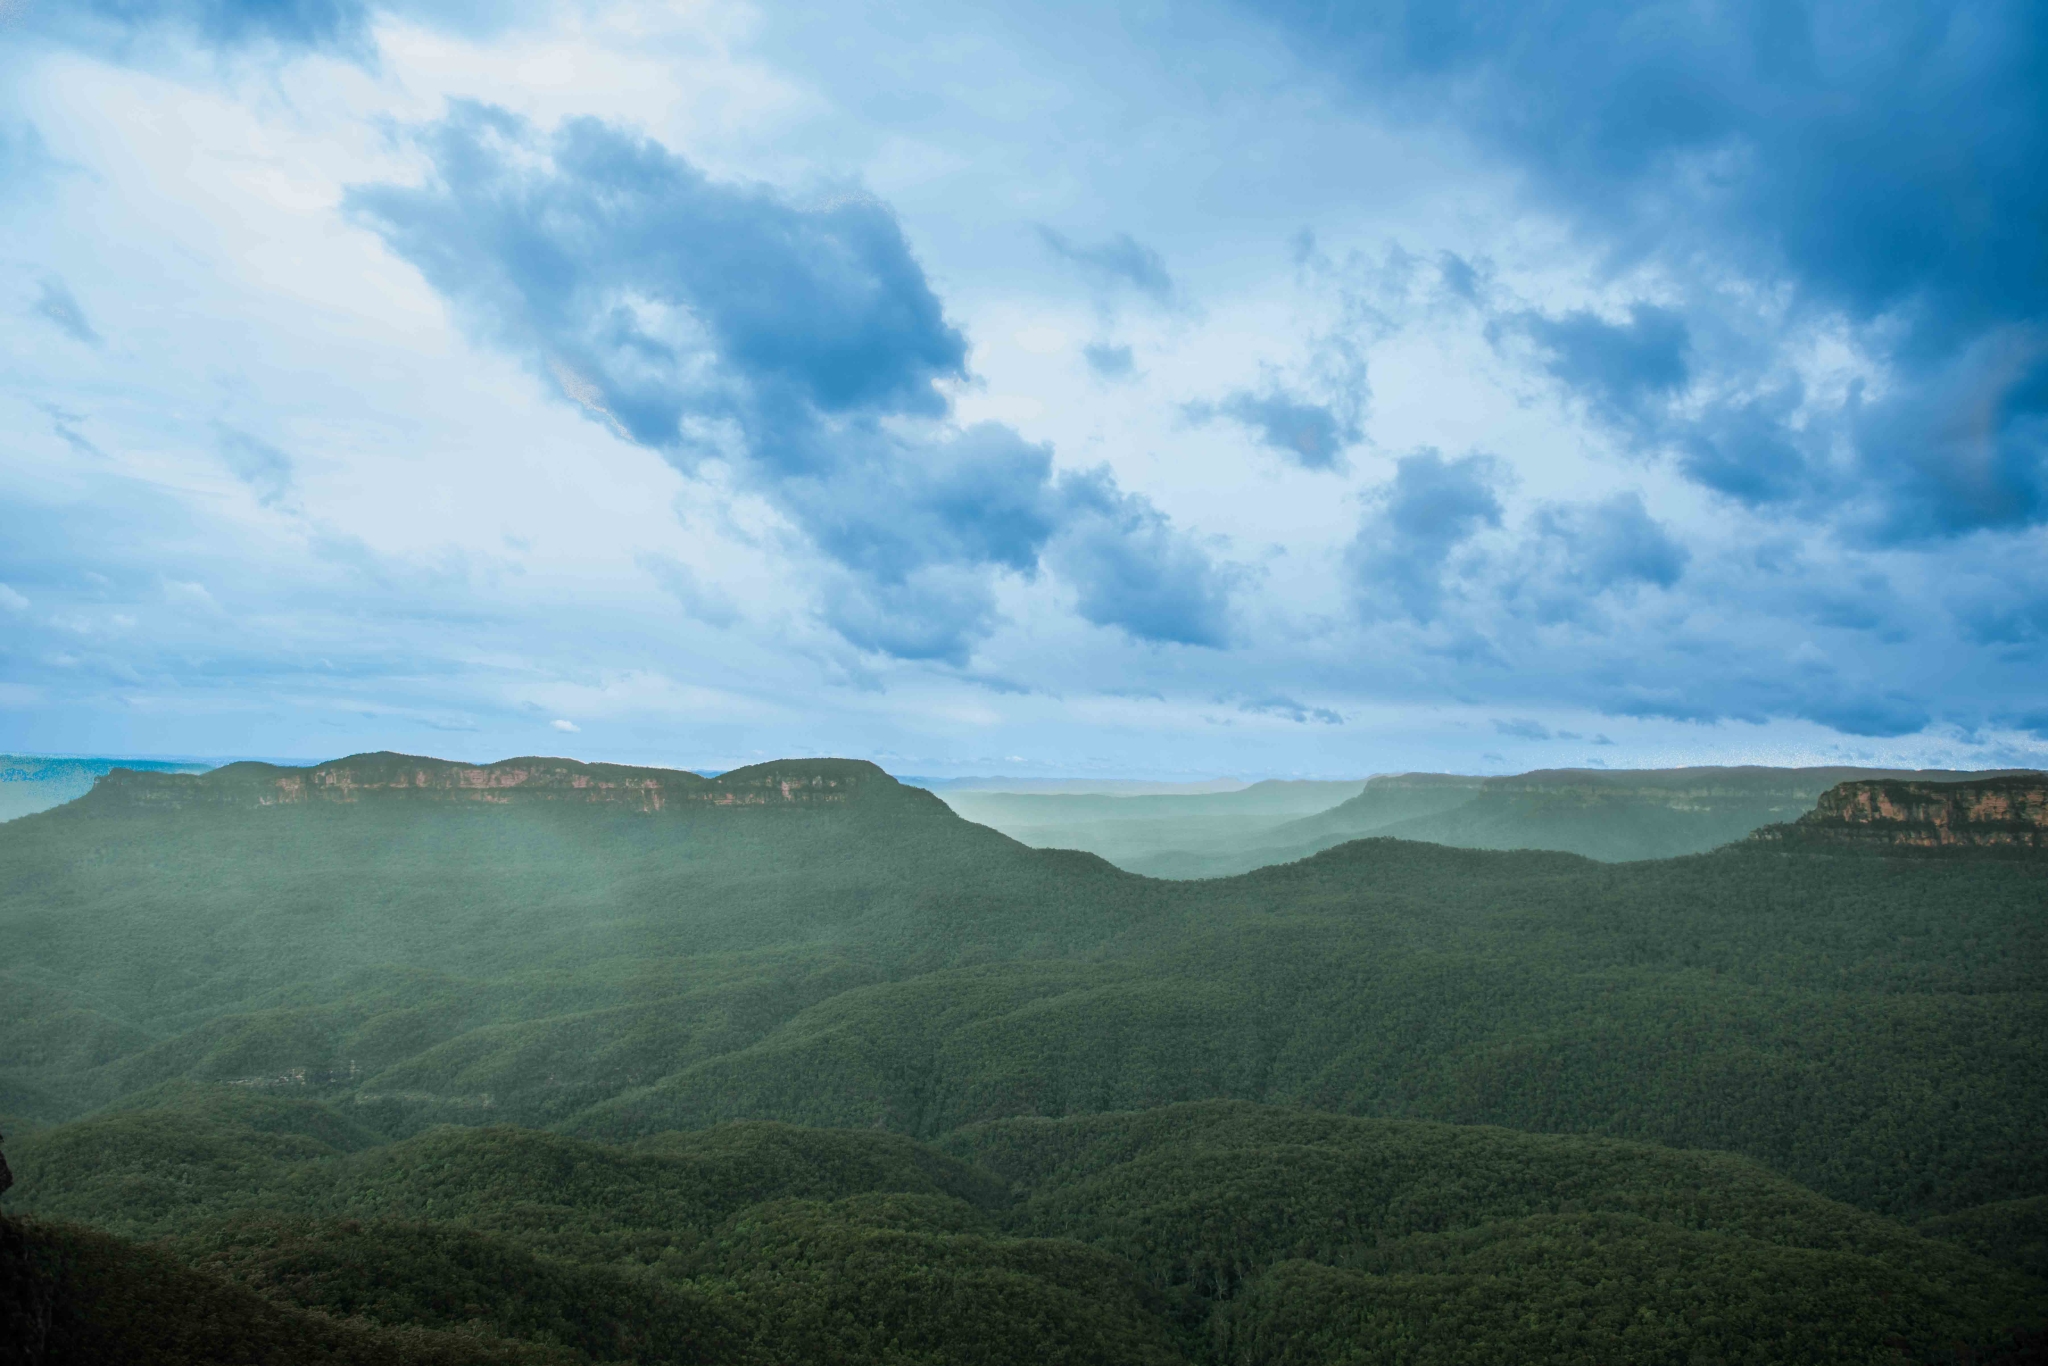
(571, 1078)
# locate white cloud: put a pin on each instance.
(499, 543)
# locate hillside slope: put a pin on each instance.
(1210, 1232)
(315, 927)
(487, 952)
(1613, 815)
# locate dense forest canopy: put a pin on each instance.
(803, 1035)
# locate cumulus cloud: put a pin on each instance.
(1754, 449)
(1965, 448)
(1622, 370)
(1121, 260)
(801, 344)
(1610, 544)
(1311, 435)
(1131, 569)
(1414, 524)
(1878, 169)
(567, 727)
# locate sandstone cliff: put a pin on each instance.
(384, 776)
(2008, 812)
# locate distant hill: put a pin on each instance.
(1129, 828)
(543, 943)
(31, 783)
(1077, 787)
(1611, 815)
(1382, 802)
(589, 1063)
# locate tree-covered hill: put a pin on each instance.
(1207, 1232)
(598, 1064)
(1611, 815)
(1863, 1024)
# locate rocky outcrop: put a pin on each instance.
(2008, 812)
(1702, 789)
(385, 777)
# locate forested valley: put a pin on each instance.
(393, 1060)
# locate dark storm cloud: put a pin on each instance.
(1611, 544)
(1621, 370)
(1879, 716)
(1132, 569)
(1752, 449)
(1121, 260)
(1430, 508)
(801, 343)
(628, 267)
(1882, 164)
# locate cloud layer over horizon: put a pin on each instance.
(1276, 390)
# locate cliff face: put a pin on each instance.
(384, 777)
(2009, 812)
(1704, 789)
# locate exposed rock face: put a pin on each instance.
(1786, 790)
(2009, 812)
(363, 777)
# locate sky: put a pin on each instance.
(1165, 391)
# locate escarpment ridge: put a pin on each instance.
(2005, 812)
(387, 776)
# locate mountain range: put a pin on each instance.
(1610, 815)
(541, 1060)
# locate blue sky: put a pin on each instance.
(1267, 390)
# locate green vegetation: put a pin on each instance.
(73, 1297)
(589, 1079)
(1216, 1231)
(1615, 816)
